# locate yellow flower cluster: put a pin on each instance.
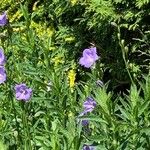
(42, 30)
(16, 16)
(73, 2)
(71, 76)
(57, 60)
(5, 3)
(18, 29)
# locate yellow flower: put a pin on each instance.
(50, 31)
(71, 76)
(34, 25)
(41, 30)
(16, 16)
(52, 48)
(70, 114)
(57, 60)
(73, 2)
(18, 29)
(69, 39)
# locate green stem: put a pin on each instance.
(123, 55)
(17, 124)
(126, 65)
(26, 128)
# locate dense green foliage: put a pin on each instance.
(43, 42)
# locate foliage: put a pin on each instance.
(43, 42)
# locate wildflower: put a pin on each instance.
(18, 29)
(16, 16)
(52, 48)
(2, 75)
(42, 30)
(70, 114)
(69, 39)
(50, 31)
(84, 122)
(89, 105)
(3, 19)
(99, 83)
(71, 76)
(23, 92)
(57, 60)
(89, 57)
(73, 2)
(86, 147)
(2, 57)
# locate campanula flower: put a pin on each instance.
(89, 57)
(2, 57)
(87, 147)
(2, 75)
(89, 105)
(23, 92)
(3, 19)
(83, 121)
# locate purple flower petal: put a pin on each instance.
(89, 105)
(84, 122)
(23, 92)
(3, 19)
(2, 57)
(87, 147)
(2, 75)
(89, 57)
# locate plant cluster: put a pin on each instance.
(74, 74)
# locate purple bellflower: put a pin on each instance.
(2, 57)
(89, 57)
(2, 75)
(86, 147)
(89, 105)
(84, 122)
(23, 92)
(3, 19)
